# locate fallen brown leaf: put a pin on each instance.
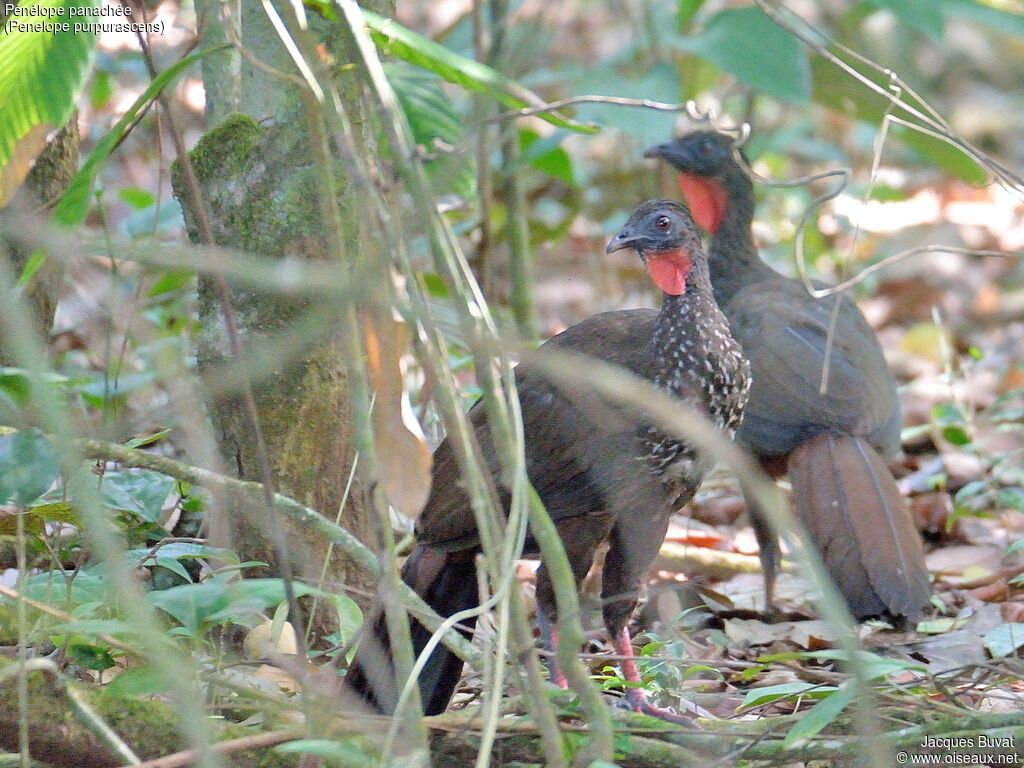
(403, 458)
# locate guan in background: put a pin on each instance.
(832, 444)
(602, 471)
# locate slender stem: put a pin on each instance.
(570, 633)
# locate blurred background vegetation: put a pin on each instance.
(533, 201)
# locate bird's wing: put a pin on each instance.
(784, 333)
(568, 431)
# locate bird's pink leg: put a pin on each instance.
(549, 634)
(635, 695)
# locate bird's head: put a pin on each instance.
(704, 160)
(662, 232)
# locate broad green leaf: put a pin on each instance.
(171, 565)
(136, 197)
(747, 44)
(343, 752)
(183, 550)
(1000, 17)
(141, 491)
(547, 155)
(823, 713)
(95, 657)
(28, 466)
(431, 116)
(646, 125)
(33, 524)
(757, 696)
(842, 93)
(350, 619)
(56, 512)
(217, 600)
(95, 628)
(52, 588)
(1012, 498)
(687, 10)
(137, 681)
(1005, 639)
(956, 435)
(923, 15)
(42, 71)
(74, 206)
(402, 43)
(874, 666)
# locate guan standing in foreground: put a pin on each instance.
(601, 471)
(830, 443)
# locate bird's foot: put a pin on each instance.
(637, 700)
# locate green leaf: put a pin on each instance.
(218, 601)
(431, 115)
(823, 713)
(350, 619)
(141, 491)
(546, 155)
(95, 628)
(921, 15)
(136, 197)
(1004, 19)
(1005, 639)
(947, 413)
(687, 10)
(50, 587)
(747, 44)
(758, 696)
(1012, 498)
(343, 752)
(144, 440)
(956, 435)
(395, 40)
(28, 466)
(74, 206)
(646, 125)
(35, 260)
(171, 565)
(874, 666)
(93, 657)
(845, 95)
(56, 512)
(183, 550)
(137, 681)
(41, 74)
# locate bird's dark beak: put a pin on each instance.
(625, 239)
(669, 152)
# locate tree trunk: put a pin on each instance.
(45, 185)
(261, 196)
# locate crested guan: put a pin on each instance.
(603, 473)
(832, 444)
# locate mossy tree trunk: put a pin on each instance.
(260, 190)
(46, 184)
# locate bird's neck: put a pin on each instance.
(680, 333)
(733, 258)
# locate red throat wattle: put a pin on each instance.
(706, 198)
(669, 270)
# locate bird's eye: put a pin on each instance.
(706, 147)
(663, 222)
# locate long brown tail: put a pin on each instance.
(447, 582)
(847, 498)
